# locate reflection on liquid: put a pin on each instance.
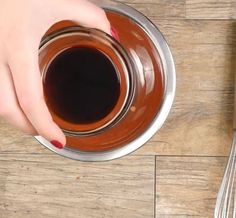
(139, 66)
(136, 35)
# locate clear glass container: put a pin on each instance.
(145, 68)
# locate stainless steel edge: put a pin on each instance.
(170, 87)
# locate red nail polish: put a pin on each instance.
(114, 33)
(56, 144)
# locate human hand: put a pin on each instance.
(22, 25)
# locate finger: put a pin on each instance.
(23, 63)
(9, 107)
(86, 14)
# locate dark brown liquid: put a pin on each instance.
(149, 88)
(81, 85)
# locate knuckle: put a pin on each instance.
(102, 20)
(101, 13)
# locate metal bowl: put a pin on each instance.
(165, 62)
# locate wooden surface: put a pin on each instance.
(178, 172)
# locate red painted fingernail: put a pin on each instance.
(114, 33)
(57, 144)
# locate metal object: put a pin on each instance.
(170, 86)
(225, 202)
(226, 199)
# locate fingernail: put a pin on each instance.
(114, 33)
(57, 144)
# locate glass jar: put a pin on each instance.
(145, 69)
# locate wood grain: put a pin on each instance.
(202, 36)
(14, 141)
(171, 9)
(51, 186)
(187, 186)
(200, 122)
(210, 9)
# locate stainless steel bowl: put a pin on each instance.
(169, 91)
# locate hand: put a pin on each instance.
(22, 25)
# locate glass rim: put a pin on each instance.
(169, 92)
(121, 55)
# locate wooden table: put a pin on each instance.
(177, 173)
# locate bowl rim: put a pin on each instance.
(168, 97)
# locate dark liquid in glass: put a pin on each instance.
(81, 85)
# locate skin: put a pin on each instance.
(22, 25)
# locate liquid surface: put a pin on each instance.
(81, 85)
